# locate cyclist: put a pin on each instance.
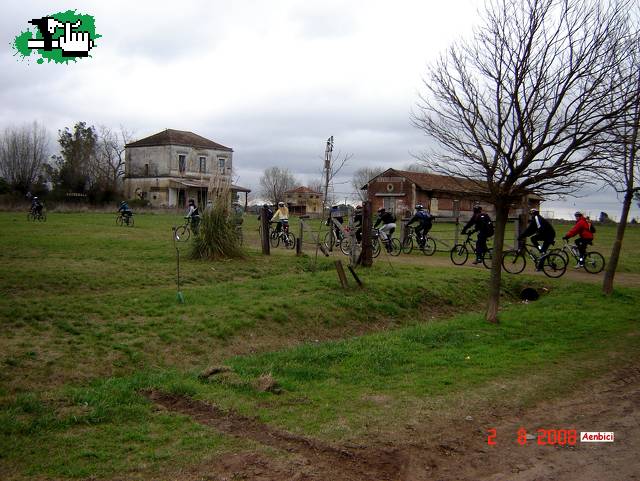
(482, 224)
(388, 221)
(36, 206)
(126, 211)
(425, 223)
(585, 237)
(357, 223)
(282, 214)
(539, 229)
(194, 216)
(334, 213)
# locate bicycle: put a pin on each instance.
(182, 233)
(287, 238)
(593, 261)
(35, 215)
(124, 219)
(334, 239)
(391, 244)
(428, 248)
(514, 261)
(460, 252)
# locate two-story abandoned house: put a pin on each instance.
(304, 201)
(172, 166)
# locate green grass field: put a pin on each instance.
(90, 318)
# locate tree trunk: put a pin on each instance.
(502, 215)
(607, 285)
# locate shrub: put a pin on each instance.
(217, 237)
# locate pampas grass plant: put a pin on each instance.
(217, 237)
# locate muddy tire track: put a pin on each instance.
(335, 463)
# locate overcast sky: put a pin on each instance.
(270, 79)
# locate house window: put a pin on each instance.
(182, 163)
(146, 170)
(203, 165)
(221, 164)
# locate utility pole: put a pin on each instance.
(328, 153)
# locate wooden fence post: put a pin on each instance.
(264, 222)
(300, 236)
(341, 275)
(367, 251)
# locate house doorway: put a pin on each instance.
(389, 204)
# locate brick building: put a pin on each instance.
(445, 196)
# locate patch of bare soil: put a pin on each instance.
(445, 451)
(313, 460)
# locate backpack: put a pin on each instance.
(487, 224)
(592, 228)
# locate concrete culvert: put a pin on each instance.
(529, 294)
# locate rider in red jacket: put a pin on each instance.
(585, 236)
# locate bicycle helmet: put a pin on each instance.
(381, 209)
(533, 211)
(477, 208)
(358, 207)
(280, 204)
(419, 207)
(578, 214)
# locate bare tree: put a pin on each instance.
(108, 163)
(23, 155)
(624, 175)
(275, 182)
(521, 108)
(360, 179)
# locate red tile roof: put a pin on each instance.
(178, 137)
(435, 182)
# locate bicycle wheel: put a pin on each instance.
(513, 262)
(407, 245)
(289, 241)
(593, 262)
(375, 247)
(329, 240)
(487, 259)
(562, 253)
(345, 246)
(274, 239)
(554, 265)
(130, 224)
(396, 248)
(429, 247)
(30, 217)
(119, 220)
(43, 217)
(182, 233)
(459, 254)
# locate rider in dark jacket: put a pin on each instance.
(482, 224)
(425, 222)
(540, 230)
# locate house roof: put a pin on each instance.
(178, 137)
(427, 181)
(302, 190)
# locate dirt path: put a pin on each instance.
(622, 278)
(452, 451)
